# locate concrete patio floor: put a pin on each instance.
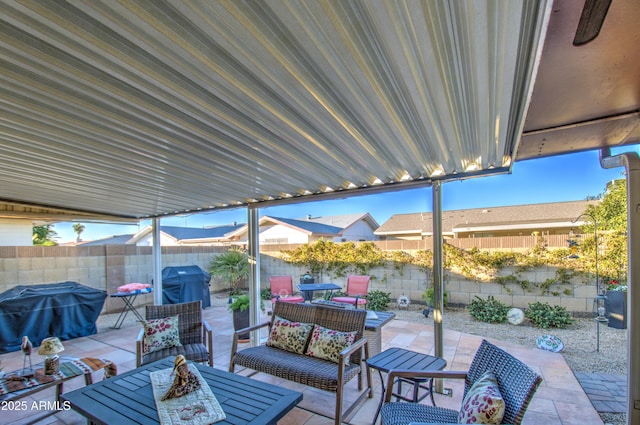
(559, 401)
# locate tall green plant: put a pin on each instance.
(611, 219)
(44, 235)
(231, 266)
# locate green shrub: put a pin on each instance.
(544, 315)
(489, 310)
(428, 297)
(265, 294)
(242, 303)
(378, 300)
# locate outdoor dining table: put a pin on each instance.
(128, 398)
(308, 289)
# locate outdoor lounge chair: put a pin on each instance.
(282, 290)
(357, 287)
(516, 381)
(195, 334)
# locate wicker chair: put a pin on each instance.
(196, 335)
(312, 371)
(517, 383)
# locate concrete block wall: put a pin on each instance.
(109, 266)
(101, 267)
(413, 282)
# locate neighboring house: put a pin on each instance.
(174, 236)
(111, 240)
(337, 228)
(16, 232)
(517, 220)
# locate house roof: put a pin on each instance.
(118, 111)
(111, 240)
(308, 226)
(189, 233)
(547, 214)
(333, 225)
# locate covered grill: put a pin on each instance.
(182, 284)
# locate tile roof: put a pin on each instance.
(111, 240)
(183, 233)
(310, 226)
(546, 213)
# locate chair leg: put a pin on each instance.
(338, 418)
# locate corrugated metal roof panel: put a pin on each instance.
(145, 109)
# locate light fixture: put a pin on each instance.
(50, 348)
(599, 309)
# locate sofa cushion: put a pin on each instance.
(328, 343)
(299, 368)
(288, 335)
(160, 334)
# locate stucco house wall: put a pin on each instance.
(16, 232)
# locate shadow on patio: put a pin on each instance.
(559, 400)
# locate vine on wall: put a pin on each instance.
(504, 268)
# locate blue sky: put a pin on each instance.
(561, 178)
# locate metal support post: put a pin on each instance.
(631, 162)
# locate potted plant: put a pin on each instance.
(231, 266)
(241, 315)
(616, 304)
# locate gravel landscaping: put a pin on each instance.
(579, 340)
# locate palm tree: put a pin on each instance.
(231, 266)
(78, 228)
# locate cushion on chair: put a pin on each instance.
(349, 300)
(483, 403)
(289, 336)
(160, 334)
(290, 299)
(327, 343)
(193, 352)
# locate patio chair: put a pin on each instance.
(516, 382)
(195, 334)
(357, 287)
(282, 290)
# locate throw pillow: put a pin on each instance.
(289, 336)
(160, 334)
(483, 403)
(327, 344)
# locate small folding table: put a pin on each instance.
(129, 298)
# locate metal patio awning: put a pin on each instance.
(146, 109)
(143, 109)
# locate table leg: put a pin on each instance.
(128, 305)
(308, 296)
(375, 418)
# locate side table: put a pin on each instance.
(373, 329)
(71, 367)
(399, 358)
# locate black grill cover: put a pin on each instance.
(66, 310)
(182, 284)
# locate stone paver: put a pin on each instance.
(608, 393)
